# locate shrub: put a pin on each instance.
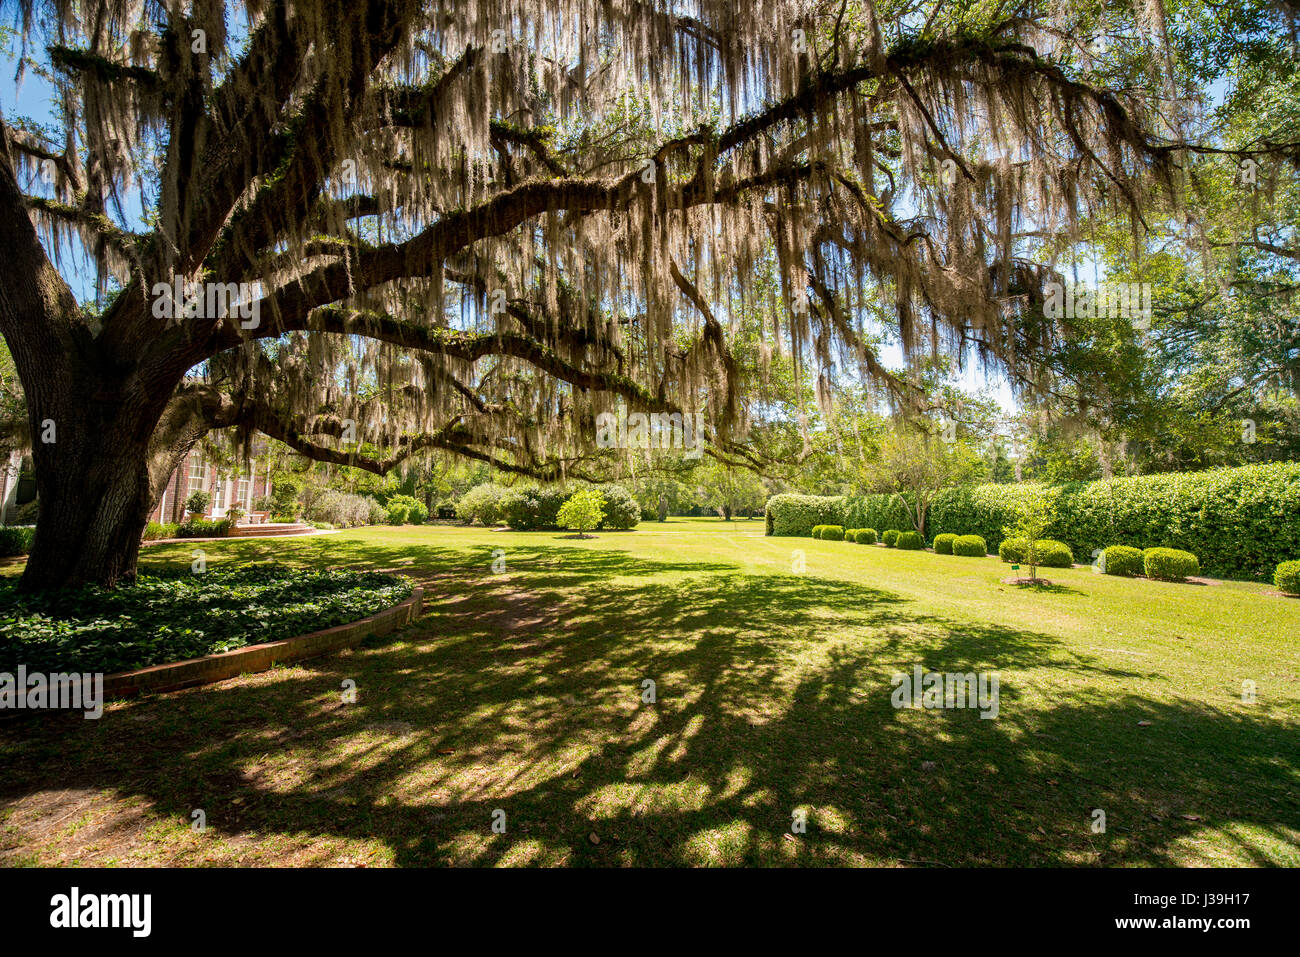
(234, 513)
(202, 528)
(890, 537)
(797, 514)
(1048, 552)
(1013, 550)
(1053, 554)
(1169, 564)
(621, 509)
(1287, 577)
(833, 533)
(344, 509)
(817, 531)
(910, 540)
(322, 526)
(583, 511)
(865, 536)
(16, 540)
(482, 502)
(1122, 560)
(156, 530)
(403, 509)
(969, 546)
(943, 543)
(528, 507)
(198, 502)
(1244, 520)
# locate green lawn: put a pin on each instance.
(521, 692)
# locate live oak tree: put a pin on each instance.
(469, 227)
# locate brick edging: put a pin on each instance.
(231, 664)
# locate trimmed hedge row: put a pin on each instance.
(1241, 521)
(16, 539)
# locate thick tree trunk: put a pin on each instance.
(95, 500)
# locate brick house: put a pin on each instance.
(240, 487)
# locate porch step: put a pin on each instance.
(271, 528)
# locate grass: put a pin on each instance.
(522, 693)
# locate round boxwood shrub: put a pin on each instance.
(865, 536)
(1170, 564)
(1287, 577)
(817, 531)
(621, 509)
(832, 533)
(970, 546)
(943, 543)
(1013, 550)
(910, 540)
(1122, 560)
(890, 537)
(1053, 554)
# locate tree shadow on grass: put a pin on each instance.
(524, 693)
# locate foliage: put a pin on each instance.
(482, 503)
(943, 543)
(203, 528)
(528, 507)
(1287, 577)
(865, 536)
(583, 511)
(403, 509)
(16, 540)
(833, 533)
(1169, 564)
(970, 546)
(890, 537)
(1244, 520)
(198, 502)
(344, 509)
(914, 469)
(621, 509)
(1122, 560)
(156, 530)
(791, 514)
(178, 615)
(910, 541)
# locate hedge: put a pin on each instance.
(943, 543)
(16, 539)
(1122, 560)
(910, 541)
(1170, 564)
(1243, 521)
(865, 536)
(969, 546)
(1287, 577)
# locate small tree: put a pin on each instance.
(914, 467)
(1032, 525)
(198, 502)
(583, 511)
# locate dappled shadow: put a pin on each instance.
(523, 693)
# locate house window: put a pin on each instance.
(242, 494)
(198, 472)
